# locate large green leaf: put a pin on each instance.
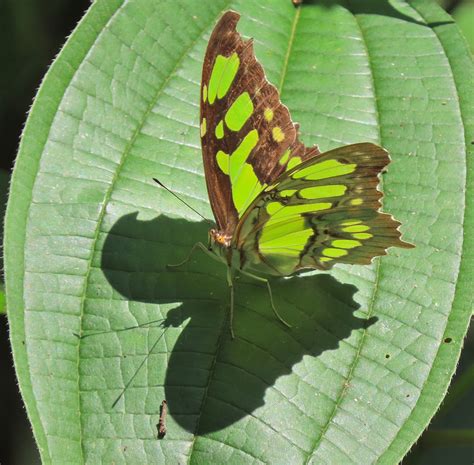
(88, 237)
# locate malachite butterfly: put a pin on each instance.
(281, 207)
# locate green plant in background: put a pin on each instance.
(88, 237)
(4, 179)
(463, 14)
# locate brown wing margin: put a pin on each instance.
(267, 158)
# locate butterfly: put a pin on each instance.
(280, 207)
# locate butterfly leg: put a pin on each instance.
(230, 281)
(198, 245)
(270, 293)
(273, 305)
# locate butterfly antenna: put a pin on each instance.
(181, 200)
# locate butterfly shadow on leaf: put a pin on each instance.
(210, 380)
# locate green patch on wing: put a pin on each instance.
(294, 161)
(322, 192)
(324, 170)
(292, 244)
(244, 182)
(222, 76)
(220, 130)
(280, 212)
(239, 112)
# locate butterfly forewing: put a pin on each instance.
(247, 136)
(323, 212)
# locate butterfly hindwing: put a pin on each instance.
(247, 136)
(323, 212)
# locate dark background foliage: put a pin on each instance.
(32, 32)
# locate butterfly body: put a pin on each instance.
(281, 207)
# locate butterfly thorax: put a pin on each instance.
(222, 245)
(220, 237)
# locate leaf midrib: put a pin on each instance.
(291, 40)
(378, 262)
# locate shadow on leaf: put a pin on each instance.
(212, 381)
